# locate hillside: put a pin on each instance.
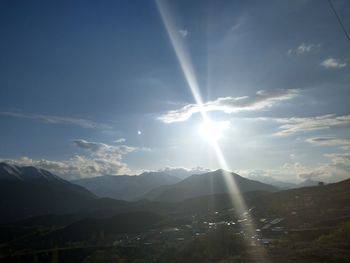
(318, 205)
(204, 184)
(127, 223)
(28, 191)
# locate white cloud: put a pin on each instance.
(262, 99)
(101, 159)
(84, 123)
(105, 150)
(303, 48)
(334, 170)
(337, 169)
(295, 125)
(286, 173)
(329, 141)
(315, 175)
(76, 167)
(333, 63)
(338, 158)
(183, 32)
(120, 140)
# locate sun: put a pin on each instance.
(212, 131)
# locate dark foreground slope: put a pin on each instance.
(124, 223)
(317, 206)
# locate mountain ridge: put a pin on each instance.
(28, 191)
(205, 184)
(125, 187)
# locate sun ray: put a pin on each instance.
(188, 71)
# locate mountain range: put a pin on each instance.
(27, 191)
(284, 185)
(129, 188)
(125, 187)
(102, 223)
(160, 186)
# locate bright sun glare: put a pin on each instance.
(212, 131)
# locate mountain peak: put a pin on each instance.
(205, 184)
(219, 172)
(11, 172)
(307, 183)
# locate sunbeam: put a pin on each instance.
(180, 51)
(189, 73)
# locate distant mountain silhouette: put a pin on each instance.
(184, 173)
(204, 184)
(274, 182)
(29, 191)
(125, 187)
(284, 185)
(307, 183)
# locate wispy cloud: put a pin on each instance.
(333, 63)
(296, 125)
(261, 100)
(183, 32)
(304, 48)
(338, 158)
(79, 166)
(120, 140)
(51, 119)
(329, 141)
(338, 168)
(105, 150)
(315, 174)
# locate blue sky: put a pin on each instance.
(96, 87)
